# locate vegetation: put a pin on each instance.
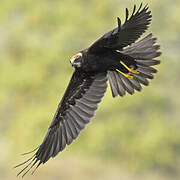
(130, 135)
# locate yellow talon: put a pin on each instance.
(129, 69)
(129, 76)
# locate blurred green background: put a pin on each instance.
(129, 138)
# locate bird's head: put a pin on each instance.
(76, 60)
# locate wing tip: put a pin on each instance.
(119, 23)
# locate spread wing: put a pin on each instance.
(124, 35)
(75, 110)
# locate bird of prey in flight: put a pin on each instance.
(118, 57)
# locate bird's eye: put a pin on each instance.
(77, 62)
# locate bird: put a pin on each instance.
(117, 57)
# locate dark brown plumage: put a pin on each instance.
(116, 57)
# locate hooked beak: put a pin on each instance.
(72, 61)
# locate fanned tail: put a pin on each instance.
(143, 52)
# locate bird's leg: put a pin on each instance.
(131, 70)
(128, 75)
(126, 71)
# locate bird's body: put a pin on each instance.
(116, 57)
(108, 60)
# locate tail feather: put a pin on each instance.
(113, 83)
(143, 52)
(128, 86)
